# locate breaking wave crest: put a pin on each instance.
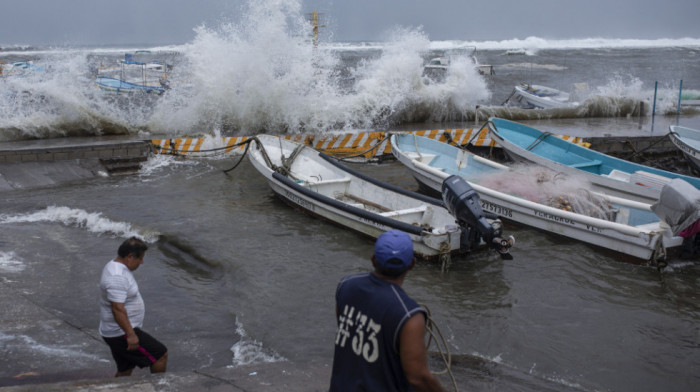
(94, 222)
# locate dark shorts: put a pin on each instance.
(150, 350)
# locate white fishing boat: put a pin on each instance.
(537, 197)
(533, 96)
(323, 187)
(688, 141)
(437, 67)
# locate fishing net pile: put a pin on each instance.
(549, 188)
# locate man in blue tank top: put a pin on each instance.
(380, 344)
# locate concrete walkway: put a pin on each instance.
(269, 377)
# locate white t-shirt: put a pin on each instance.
(118, 285)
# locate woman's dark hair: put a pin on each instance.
(132, 245)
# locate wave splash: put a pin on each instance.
(93, 222)
(259, 75)
(247, 350)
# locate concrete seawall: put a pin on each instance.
(61, 150)
(37, 163)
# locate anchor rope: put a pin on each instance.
(539, 140)
(173, 151)
(479, 131)
(634, 152)
(247, 146)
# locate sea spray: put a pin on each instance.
(263, 75)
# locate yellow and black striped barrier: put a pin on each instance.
(364, 144)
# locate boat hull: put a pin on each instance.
(549, 99)
(688, 141)
(644, 243)
(121, 86)
(433, 230)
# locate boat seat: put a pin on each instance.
(341, 180)
(423, 158)
(452, 170)
(328, 186)
(619, 175)
(650, 180)
(581, 165)
(407, 211)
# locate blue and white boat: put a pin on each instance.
(133, 76)
(606, 174)
(534, 196)
(688, 141)
(122, 86)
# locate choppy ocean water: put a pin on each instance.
(235, 276)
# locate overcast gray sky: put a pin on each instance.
(159, 22)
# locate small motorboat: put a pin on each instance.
(535, 196)
(606, 174)
(323, 187)
(134, 76)
(533, 96)
(688, 141)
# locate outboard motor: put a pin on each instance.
(679, 206)
(462, 202)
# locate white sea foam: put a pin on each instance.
(157, 162)
(10, 343)
(92, 221)
(537, 43)
(247, 350)
(9, 262)
(531, 66)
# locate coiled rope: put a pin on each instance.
(434, 333)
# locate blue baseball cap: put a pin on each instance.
(394, 244)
